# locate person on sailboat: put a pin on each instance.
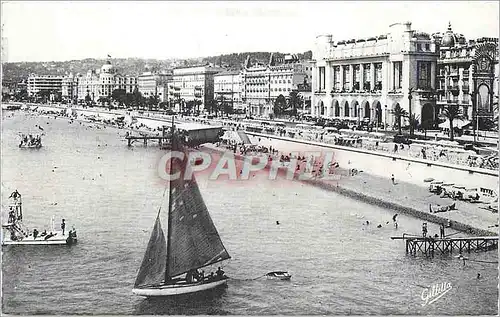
(219, 272)
(190, 275)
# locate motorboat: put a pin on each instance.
(278, 275)
(30, 142)
(435, 186)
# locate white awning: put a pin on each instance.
(457, 123)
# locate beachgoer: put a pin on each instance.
(392, 179)
(441, 230)
(63, 226)
(424, 229)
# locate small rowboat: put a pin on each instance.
(278, 275)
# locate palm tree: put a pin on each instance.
(295, 102)
(399, 113)
(452, 112)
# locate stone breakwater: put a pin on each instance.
(400, 207)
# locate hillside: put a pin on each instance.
(236, 60)
(128, 66)
(15, 72)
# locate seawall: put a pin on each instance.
(408, 169)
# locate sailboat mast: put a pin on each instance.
(169, 217)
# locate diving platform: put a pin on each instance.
(429, 246)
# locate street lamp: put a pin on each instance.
(385, 118)
(474, 110)
(410, 90)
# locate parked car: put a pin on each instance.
(400, 138)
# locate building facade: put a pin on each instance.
(101, 83)
(70, 88)
(194, 83)
(468, 74)
(51, 85)
(154, 84)
(366, 79)
(263, 84)
(227, 86)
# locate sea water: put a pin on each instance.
(111, 194)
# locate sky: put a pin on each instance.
(58, 31)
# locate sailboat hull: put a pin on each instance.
(177, 289)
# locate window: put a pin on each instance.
(367, 76)
(398, 75)
(423, 75)
(378, 76)
(419, 47)
(336, 77)
(427, 47)
(357, 76)
(321, 79)
(346, 84)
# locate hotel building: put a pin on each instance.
(154, 84)
(194, 83)
(263, 84)
(228, 85)
(48, 83)
(70, 88)
(102, 83)
(467, 74)
(365, 79)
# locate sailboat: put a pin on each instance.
(191, 242)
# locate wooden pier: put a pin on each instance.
(428, 246)
(145, 138)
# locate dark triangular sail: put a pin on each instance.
(152, 271)
(194, 240)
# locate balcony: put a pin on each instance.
(465, 89)
(396, 91)
(465, 74)
(453, 73)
